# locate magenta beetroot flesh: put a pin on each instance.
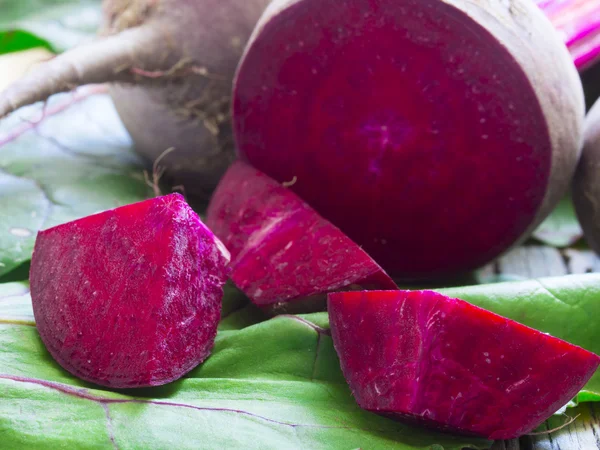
(409, 125)
(281, 250)
(129, 297)
(425, 358)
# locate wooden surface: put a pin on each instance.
(539, 261)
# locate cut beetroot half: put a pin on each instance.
(428, 131)
(283, 254)
(129, 297)
(441, 362)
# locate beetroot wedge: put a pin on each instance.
(129, 297)
(284, 255)
(429, 359)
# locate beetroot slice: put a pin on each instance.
(434, 133)
(281, 249)
(129, 297)
(423, 357)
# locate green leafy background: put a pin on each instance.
(270, 383)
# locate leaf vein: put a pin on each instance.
(557, 298)
(109, 426)
(84, 394)
(27, 125)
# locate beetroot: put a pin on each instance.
(426, 358)
(283, 254)
(586, 187)
(171, 63)
(129, 297)
(435, 134)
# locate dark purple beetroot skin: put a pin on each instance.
(425, 358)
(409, 125)
(129, 297)
(282, 251)
(586, 183)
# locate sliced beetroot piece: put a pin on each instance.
(425, 358)
(129, 297)
(284, 255)
(435, 134)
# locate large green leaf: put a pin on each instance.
(561, 228)
(272, 385)
(54, 24)
(566, 307)
(75, 161)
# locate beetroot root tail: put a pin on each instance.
(107, 59)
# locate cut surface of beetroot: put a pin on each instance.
(282, 252)
(425, 358)
(406, 123)
(129, 297)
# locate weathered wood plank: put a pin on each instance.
(581, 261)
(533, 262)
(582, 434)
(507, 445)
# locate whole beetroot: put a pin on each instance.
(171, 63)
(435, 133)
(586, 185)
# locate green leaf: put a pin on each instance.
(15, 41)
(272, 385)
(73, 161)
(19, 274)
(54, 24)
(566, 307)
(561, 228)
